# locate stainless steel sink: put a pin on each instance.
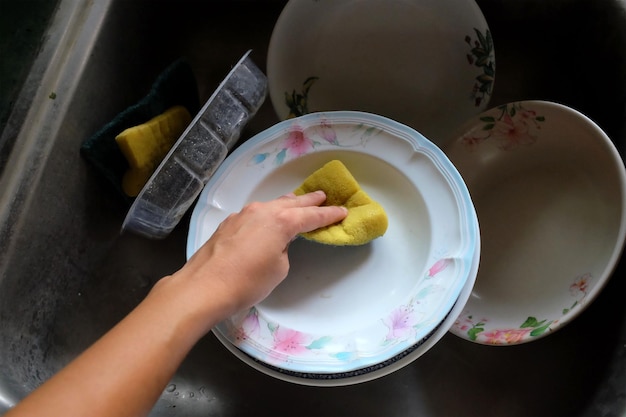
(67, 274)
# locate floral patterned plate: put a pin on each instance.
(425, 63)
(550, 192)
(375, 371)
(348, 308)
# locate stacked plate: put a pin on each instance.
(347, 313)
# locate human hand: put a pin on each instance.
(246, 257)
(236, 268)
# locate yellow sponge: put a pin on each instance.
(366, 219)
(144, 146)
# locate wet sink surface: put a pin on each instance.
(67, 275)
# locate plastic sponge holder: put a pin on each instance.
(195, 156)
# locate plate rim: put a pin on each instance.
(347, 380)
(419, 144)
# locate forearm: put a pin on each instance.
(125, 371)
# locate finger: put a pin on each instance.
(287, 196)
(312, 218)
(310, 199)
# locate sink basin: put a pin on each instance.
(67, 274)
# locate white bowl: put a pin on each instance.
(429, 64)
(341, 309)
(550, 191)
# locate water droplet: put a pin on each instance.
(171, 388)
(191, 394)
(204, 392)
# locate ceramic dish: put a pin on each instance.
(373, 372)
(425, 63)
(362, 305)
(550, 192)
(179, 179)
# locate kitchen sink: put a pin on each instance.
(67, 274)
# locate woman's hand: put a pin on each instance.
(246, 258)
(124, 372)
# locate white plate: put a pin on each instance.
(368, 374)
(348, 308)
(429, 64)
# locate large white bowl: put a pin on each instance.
(550, 191)
(429, 64)
(342, 309)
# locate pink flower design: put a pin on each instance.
(466, 323)
(515, 125)
(528, 116)
(297, 143)
(400, 323)
(327, 132)
(472, 141)
(581, 285)
(505, 336)
(438, 266)
(513, 132)
(461, 327)
(248, 327)
(288, 341)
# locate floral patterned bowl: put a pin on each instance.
(345, 309)
(429, 64)
(550, 191)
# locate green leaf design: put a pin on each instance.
(259, 158)
(488, 126)
(474, 331)
(424, 292)
(481, 38)
(319, 343)
(308, 83)
(272, 326)
(485, 87)
(489, 119)
(540, 330)
(531, 322)
(567, 310)
(481, 56)
(482, 60)
(344, 356)
(298, 102)
(370, 131)
(479, 52)
(280, 156)
(289, 99)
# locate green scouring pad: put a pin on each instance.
(176, 85)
